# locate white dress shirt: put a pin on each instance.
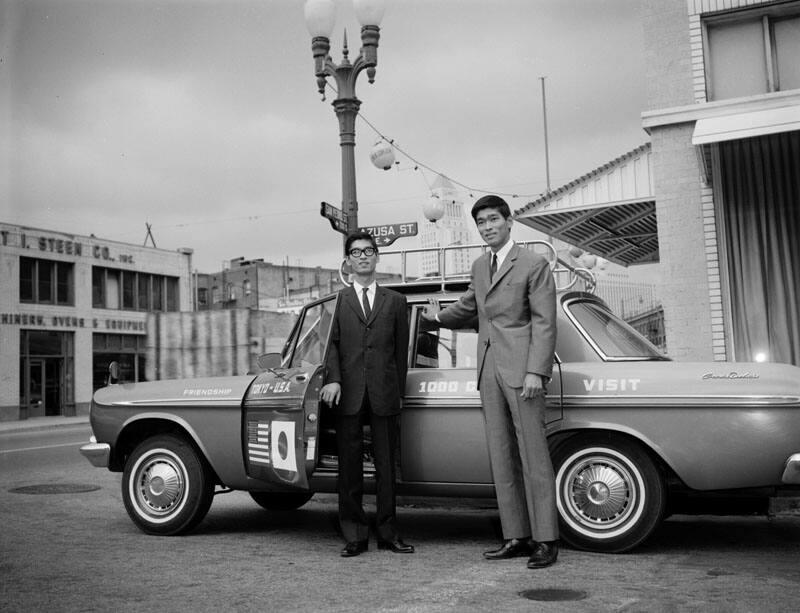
(371, 289)
(501, 255)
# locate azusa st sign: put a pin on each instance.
(385, 235)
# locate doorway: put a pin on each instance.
(45, 384)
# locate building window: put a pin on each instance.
(136, 291)
(127, 350)
(158, 292)
(752, 52)
(128, 290)
(45, 281)
(172, 293)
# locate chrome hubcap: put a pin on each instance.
(599, 492)
(160, 486)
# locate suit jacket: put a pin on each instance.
(516, 314)
(369, 357)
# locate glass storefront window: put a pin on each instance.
(128, 350)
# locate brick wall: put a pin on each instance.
(668, 59)
(688, 237)
(682, 226)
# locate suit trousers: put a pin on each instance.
(521, 466)
(349, 437)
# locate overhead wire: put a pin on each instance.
(417, 166)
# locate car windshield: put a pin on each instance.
(611, 336)
(311, 335)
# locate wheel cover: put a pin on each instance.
(601, 493)
(158, 486)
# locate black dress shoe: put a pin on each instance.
(544, 554)
(397, 545)
(353, 548)
(512, 548)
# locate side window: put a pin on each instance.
(442, 348)
(312, 334)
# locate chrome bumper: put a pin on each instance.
(97, 453)
(791, 472)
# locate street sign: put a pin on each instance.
(336, 216)
(386, 234)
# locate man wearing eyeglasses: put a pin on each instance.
(366, 376)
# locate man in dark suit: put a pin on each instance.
(366, 376)
(513, 294)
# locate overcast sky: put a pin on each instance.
(202, 118)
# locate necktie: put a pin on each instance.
(365, 302)
(493, 267)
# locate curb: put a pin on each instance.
(39, 423)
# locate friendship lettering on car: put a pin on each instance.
(208, 391)
(611, 385)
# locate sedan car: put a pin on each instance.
(630, 431)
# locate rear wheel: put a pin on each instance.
(609, 493)
(166, 486)
(281, 501)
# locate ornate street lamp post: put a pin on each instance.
(320, 18)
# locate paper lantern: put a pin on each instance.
(382, 155)
(433, 208)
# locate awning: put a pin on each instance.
(622, 232)
(746, 125)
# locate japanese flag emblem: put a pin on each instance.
(282, 446)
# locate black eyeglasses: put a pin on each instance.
(369, 252)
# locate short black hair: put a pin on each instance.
(358, 236)
(491, 202)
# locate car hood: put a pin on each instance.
(667, 381)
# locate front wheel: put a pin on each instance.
(281, 501)
(609, 493)
(166, 486)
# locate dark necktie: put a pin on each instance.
(493, 267)
(365, 302)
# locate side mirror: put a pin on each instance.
(267, 361)
(113, 372)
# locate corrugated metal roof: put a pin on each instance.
(610, 211)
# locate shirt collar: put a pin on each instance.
(504, 251)
(360, 288)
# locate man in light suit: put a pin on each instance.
(513, 294)
(366, 377)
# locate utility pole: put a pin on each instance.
(546, 148)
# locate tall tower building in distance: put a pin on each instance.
(452, 229)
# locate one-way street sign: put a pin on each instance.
(336, 216)
(386, 234)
